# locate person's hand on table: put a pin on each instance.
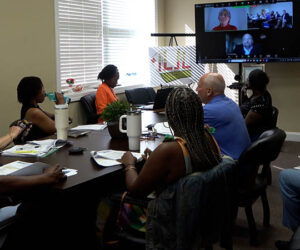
(147, 153)
(128, 159)
(54, 174)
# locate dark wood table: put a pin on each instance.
(88, 170)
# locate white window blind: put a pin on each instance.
(127, 28)
(79, 41)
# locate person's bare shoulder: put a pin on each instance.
(34, 113)
(168, 149)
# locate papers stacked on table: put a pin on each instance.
(108, 158)
(29, 168)
(90, 127)
(34, 148)
(162, 128)
(13, 166)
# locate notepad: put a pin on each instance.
(163, 128)
(90, 127)
(108, 158)
(40, 148)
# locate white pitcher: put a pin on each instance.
(134, 128)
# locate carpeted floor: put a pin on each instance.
(288, 158)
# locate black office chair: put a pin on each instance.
(8, 217)
(254, 185)
(88, 103)
(273, 124)
(141, 96)
(274, 119)
(213, 219)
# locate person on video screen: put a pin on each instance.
(284, 21)
(224, 19)
(248, 47)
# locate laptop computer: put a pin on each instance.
(160, 99)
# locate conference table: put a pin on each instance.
(88, 169)
(71, 206)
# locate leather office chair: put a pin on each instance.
(259, 153)
(275, 113)
(213, 219)
(7, 217)
(88, 103)
(140, 95)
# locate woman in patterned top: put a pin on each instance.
(257, 109)
(192, 149)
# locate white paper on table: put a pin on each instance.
(90, 127)
(162, 128)
(106, 162)
(114, 154)
(69, 171)
(32, 148)
(13, 166)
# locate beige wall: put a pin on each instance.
(27, 47)
(285, 77)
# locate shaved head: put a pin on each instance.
(215, 81)
(210, 85)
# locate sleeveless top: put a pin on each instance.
(186, 154)
(35, 132)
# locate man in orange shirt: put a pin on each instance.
(105, 93)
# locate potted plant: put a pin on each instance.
(111, 115)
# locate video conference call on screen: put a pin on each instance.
(248, 31)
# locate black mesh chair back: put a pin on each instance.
(141, 96)
(88, 103)
(260, 153)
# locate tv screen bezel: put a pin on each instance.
(202, 31)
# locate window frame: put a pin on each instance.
(75, 96)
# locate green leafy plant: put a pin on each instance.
(114, 110)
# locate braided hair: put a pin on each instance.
(185, 116)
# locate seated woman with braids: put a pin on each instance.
(192, 149)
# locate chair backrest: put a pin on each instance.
(140, 95)
(274, 118)
(262, 151)
(88, 103)
(7, 219)
(197, 209)
(265, 149)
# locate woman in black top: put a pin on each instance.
(257, 108)
(30, 93)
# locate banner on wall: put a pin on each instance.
(174, 65)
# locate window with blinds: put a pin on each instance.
(127, 28)
(94, 33)
(79, 43)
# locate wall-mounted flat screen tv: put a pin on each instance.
(248, 31)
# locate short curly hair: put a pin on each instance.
(28, 88)
(258, 79)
